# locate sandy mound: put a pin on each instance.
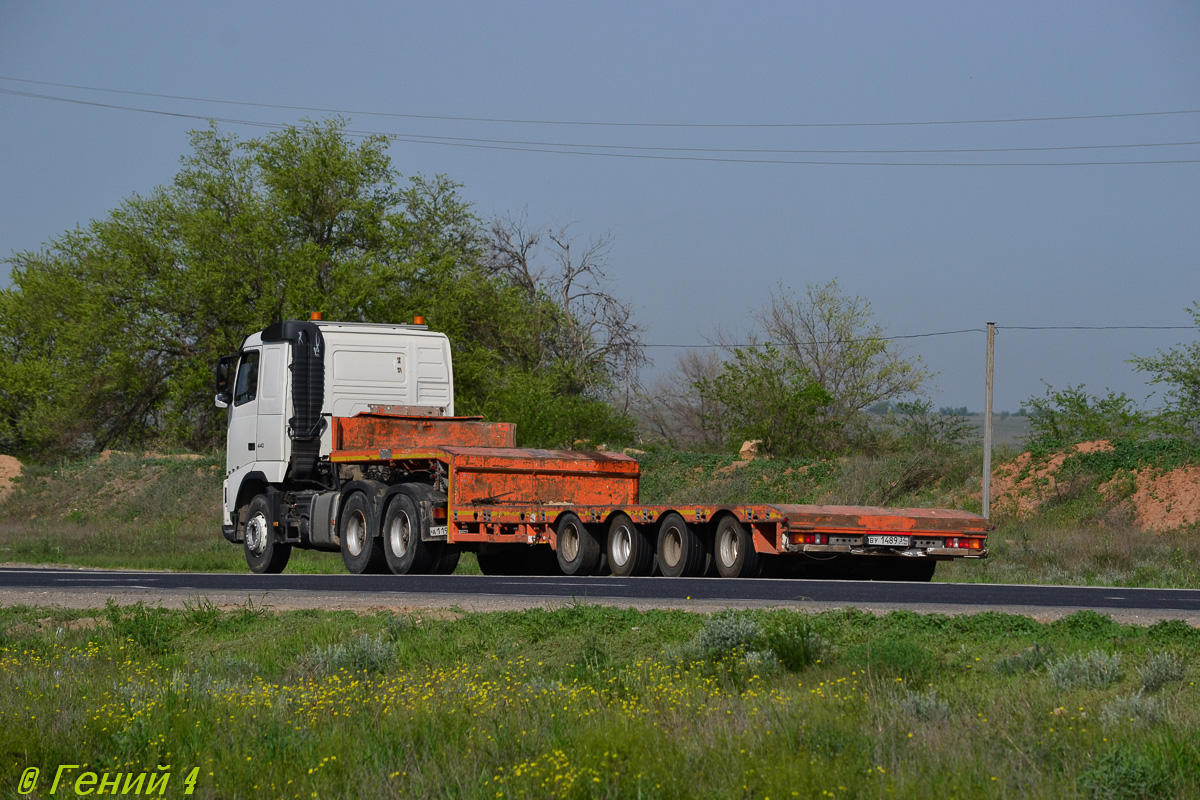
(1021, 487)
(1161, 500)
(9, 468)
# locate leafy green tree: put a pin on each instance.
(108, 334)
(1066, 416)
(832, 336)
(1178, 369)
(764, 394)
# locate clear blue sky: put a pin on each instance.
(933, 248)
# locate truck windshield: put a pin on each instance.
(246, 388)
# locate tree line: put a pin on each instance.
(109, 332)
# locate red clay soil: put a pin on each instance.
(1014, 494)
(1163, 500)
(9, 468)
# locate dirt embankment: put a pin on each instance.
(10, 469)
(1021, 487)
(1160, 499)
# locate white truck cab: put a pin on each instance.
(285, 383)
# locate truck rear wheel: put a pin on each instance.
(264, 555)
(404, 549)
(361, 550)
(680, 548)
(733, 550)
(629, 550)
(577, 549)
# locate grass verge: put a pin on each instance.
(584, 701)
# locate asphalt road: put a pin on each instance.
(47, 586)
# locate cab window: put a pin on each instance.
(246, 387)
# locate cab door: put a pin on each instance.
(241, 438)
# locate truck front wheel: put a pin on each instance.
(360, 549)
(733, 550)
(403, 547)
(680, 549)
(264, 555)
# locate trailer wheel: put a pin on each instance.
(447, 560)
(733, 550)
(629, 550)
(578, 551)
(406, 553)
(681, 551)
(361, 550)
(264, 555)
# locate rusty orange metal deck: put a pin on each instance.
(497, 492)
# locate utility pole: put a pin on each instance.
(987, 422)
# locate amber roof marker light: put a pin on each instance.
(315, 316)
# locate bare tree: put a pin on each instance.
(831, 335)
(591, 334)
(825, 333)
(672, 409)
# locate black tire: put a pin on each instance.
(362, 552)
(733, 550)
(630, 552)
(577, 550)
(264, 555)
(681, 549)
(447, 560)
(404, 527)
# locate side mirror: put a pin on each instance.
(225, 366)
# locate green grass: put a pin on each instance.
(584, 701)
(163, 513)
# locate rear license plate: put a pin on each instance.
(437, 531)
(895, 541)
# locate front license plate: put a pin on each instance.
(895, 541)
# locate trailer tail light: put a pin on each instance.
(810, 538)
(964, 543)
(439, 512)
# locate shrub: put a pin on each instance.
(725, 631)
(364, 654)
(796, 646)
(763, 662)
(1161, 669)
(1093, 670)
(925, 706)
(1124, 775)
(151, 628)
(1136, 708)
(1070, 415)
(395, 626)
(1029, 660)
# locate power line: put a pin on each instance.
(750, 345)
(518, 121)
(440, 139)
(559, 149)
